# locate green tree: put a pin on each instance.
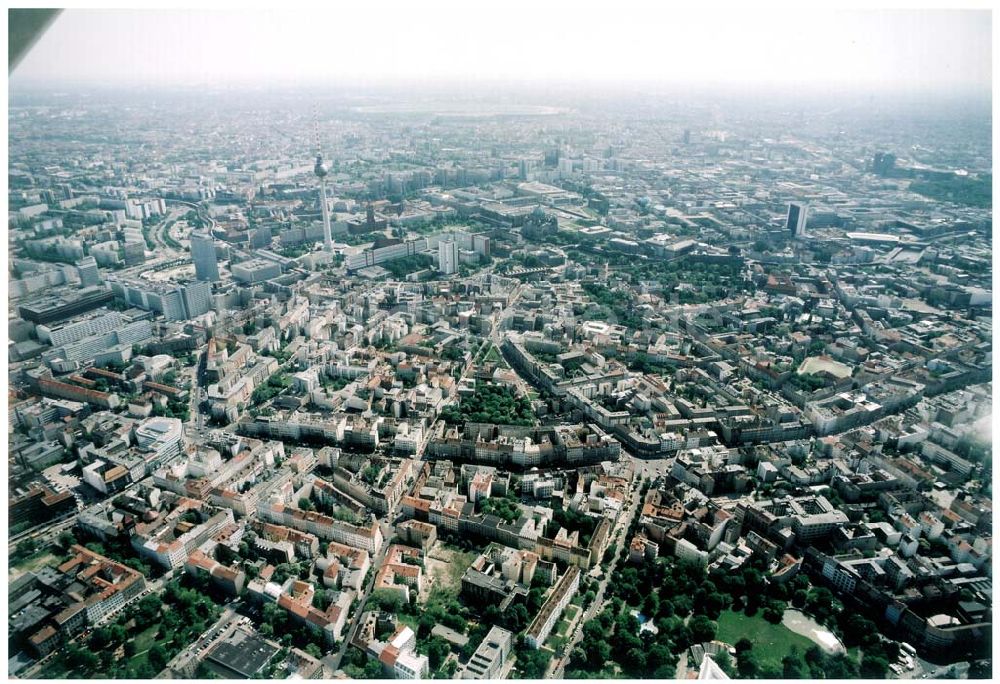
(437, 650)
(157, 657)
(80, 659)
(858, 630)
(725, 663)
(747, 665)
(66, 539)
(702, 629)
(774, 611)
(820, 602)
(799, 598)
(387, 600)
(873, 666)
(791, 665)
(26, 548)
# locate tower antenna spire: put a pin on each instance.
(321, 171)
(316, 128)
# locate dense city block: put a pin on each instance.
(405, 386)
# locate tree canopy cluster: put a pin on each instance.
(504, 507)
(612, 640)
(491, 403)
(574, 521)
(973, 192)
(399, 268)
(182, 615)
(277, 624)
(683, 602)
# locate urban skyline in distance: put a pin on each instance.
(534, 341)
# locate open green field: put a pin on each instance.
(145, 639)
(560, 633)
(771, 643)
(408, 620)
(55, 668)
(493, 356)
(446, 564)
(34, 562)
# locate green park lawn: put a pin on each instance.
(408, 620)
(493, 355)
(34, 562)
(146, 638)
(771, 643)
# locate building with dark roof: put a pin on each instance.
(240, 655)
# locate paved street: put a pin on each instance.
(333, 662)
(557, 668)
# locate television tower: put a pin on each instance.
(320, 170)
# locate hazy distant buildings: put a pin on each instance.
(206, 264)
(883, 163)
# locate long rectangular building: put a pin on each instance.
(539, 629)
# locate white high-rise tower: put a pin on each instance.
(321, 171)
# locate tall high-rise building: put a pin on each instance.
(883, 163)
(448, 257)
(261, 237)
(320, 171)
(90, 275)
(135, 252)
(206, 264)
(796, 221)
(175, 302)
(197, 299)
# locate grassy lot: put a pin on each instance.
(447, 564)
(408, 620)
(559, 635)
(145, 639)
(53, 669)
(567, 619)
(460, 562)
(771, 643)
(34, 562)
(493, 355)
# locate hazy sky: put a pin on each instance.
(520, 40)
